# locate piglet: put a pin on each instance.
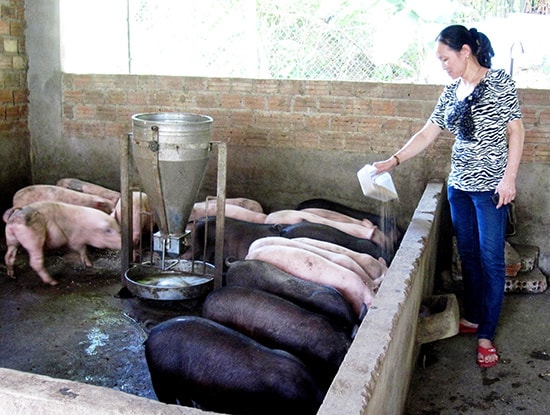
(43, 192)
(52, 225)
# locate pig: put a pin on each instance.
(52, 225)
(243, 202)
(335, 236)
(386, 223)
(193, 360)
(320, 203)
(203, 209)
(45, 192)
(90, 188)
(142, 215)
(321, 299)
(237, 239)
(375, 268)
(377, 235)
(280, 324)
(336, 257)
(310, 266)
(289, 216)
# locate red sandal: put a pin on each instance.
(483, 353)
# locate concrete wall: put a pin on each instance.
(14, 134)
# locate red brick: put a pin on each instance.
(383, 107)
(307, 139)
(17, 29)
(544, 118)
(117, 98)
(317, 122)
(207, 100)
(137, 97)
(20, 96)
(256, 102)
(242, 86)
(267, 86)
(331, 141)
(85, 111)
(279, 103)
(94, 97)
(218, 85)
(159, 97)
(4, 27)
(106, 113)
(233, 101)
(6, 96)
(332, 105)
(291, 87)
(317, 88)
(343, 123)
(305, 104)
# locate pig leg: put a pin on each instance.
(33, 240)
(84, 258)
(11, 253)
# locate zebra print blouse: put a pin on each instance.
(480, 150)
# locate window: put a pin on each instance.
(355, 40)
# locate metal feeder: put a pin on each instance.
(170, 153)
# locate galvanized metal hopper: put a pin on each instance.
(171, 153)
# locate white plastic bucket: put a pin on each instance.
(377, 186)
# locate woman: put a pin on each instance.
(480, 107)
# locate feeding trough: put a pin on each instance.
(185, 280)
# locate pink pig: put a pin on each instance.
(142, 218)
(43, 192)
(53, 225)
(90, 188)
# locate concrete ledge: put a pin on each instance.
(27, 393)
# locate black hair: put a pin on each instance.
(456, 36)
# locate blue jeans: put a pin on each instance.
(480, 230)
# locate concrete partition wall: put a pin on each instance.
(373, 379)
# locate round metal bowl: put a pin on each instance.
(186, 280)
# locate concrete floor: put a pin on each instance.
(82, 330)
(448, 381)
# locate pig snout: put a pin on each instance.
(108, 235)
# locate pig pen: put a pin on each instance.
(82, 331)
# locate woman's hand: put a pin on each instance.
(506, 190)
(385, 165)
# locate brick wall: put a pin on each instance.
(13, 67)
(14, 131)
(321, 115)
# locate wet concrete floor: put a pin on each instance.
(448, 381)
(81, 329)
